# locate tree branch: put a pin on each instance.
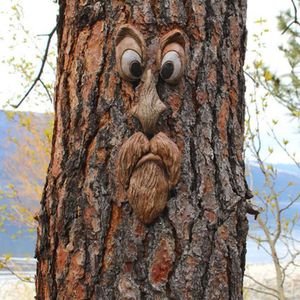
(251, 77)
(290, 204)
(261, 292)
(260, 284)
(38, 77)
(8, 268)
(252, 209)
(295, 21)
(284, 148)
(46, 89)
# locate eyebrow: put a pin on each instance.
(175, 36)
(126, 31)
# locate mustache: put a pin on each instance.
(138, 149)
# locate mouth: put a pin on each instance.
(147, 169)
(150, 157)
(139, 151)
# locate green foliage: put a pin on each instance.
(285, 88)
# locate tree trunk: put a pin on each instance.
(90, 244)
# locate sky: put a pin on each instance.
(39, 17)
(287, 128)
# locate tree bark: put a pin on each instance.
(90, 244)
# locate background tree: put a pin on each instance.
(284, 87)
(31, 153)
(278, 224)
(30, 135)
(25, 65)
(88, 245)
(27, 147)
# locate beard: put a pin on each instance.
(148, 191)
(148, 170)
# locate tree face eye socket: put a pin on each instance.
(172, 67)
(131, 64)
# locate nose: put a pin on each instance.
(149, 106)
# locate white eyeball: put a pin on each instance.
(131, 64)
(172, 67)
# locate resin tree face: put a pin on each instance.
(148, 163)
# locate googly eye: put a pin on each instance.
(172, 63)
(131, 64)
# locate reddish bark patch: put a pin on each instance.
(173, 11)
(184, 188)
(201, 96)
(215, 40)
(90, 219)
(109, 240)
(43, 287)
(162, 264)
(92, 50)
(77, 50)
(127, 267)
(192, 261)
(56, 170)
(61, 255)
(196, 19)
(212, 75)
(211, 216)
(91, 149)
(79, 291)
(101, 155)
(77, 265)
(222, 121)
(235, 32)
(180, 142)
(112, 87)
(233, 97)
(104, 120)
(120, 194)
(175, 103)
(140, 229)
(208, 186)
(235, 58)
(223, 232)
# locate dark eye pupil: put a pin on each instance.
(136, 69)
(167, 70)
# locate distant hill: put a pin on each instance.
(25, 245)
(287, 180)
(10, 128)
(16, 239)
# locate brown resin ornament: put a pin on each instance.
(148, 170)
(148, 164)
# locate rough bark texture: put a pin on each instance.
(90, 244)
